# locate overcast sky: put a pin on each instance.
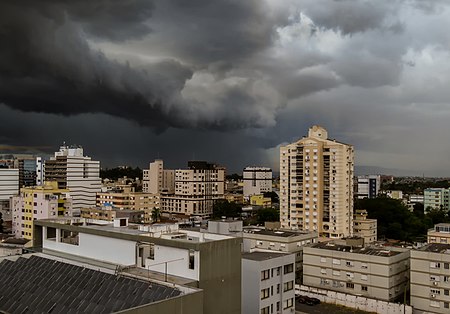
(227, 81)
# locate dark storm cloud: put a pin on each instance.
(262, 70)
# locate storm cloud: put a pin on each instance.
(215, 77)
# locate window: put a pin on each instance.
(446, 305)
(435, 291)
(288, 303)
(191, 259)
(363, 288)
(435, 265)
(336, 261)
(265, 275)
(364, 265)
(446, 266)
(264, 293)
(323, 260)
(278, 270)
(434, 303)
(278, 306)
(288, 286)
(336, 273)
(288, 268)
(265, 310)
(363, 277)
(323, 271)
(151, 254)
(278, 288)
(350, 285)
(349, 264)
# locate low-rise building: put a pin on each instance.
(211, 262)
(225, 226)
(9, 183)
(257, 180)
(268, 282)
(260, 200)
(109, 213)
(436, 198)
(364, 227)
(368, 186)
(439, 234)
(430, 278)
(348, 267)
(39, 202)
(279, 240)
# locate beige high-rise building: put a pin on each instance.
(316, 185)
(157, 179)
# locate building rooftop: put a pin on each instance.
(262, 256)
(367, 250)
(38, 284)
(278, 233)
(436, 248)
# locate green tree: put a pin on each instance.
(273, 197)
(156, 214)
(267, 214)
(223, 208)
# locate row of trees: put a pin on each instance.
(120, 172)
(223, 208)
(396, 221)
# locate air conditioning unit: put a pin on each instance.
(435, 283)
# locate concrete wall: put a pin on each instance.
(355, 302)
(220, 276)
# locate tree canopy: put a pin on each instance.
(223, 208)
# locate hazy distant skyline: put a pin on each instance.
(227, 81)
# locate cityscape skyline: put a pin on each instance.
(135, 88)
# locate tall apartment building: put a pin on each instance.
(316, 185)
(257, 180)
(38, 202)
(9, 183)
(39, 171)
(158, 180)
(76, 172)
(368, 186)
(268, 283)
(196, 189)
(436, 198)
(376, 272)
(430, 278)
(364, 227)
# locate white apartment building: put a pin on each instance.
(316, 185)
(257, 180)
(76, 172)
(39, 202)
(439, 234)
(368, 186)
(364, 227)
(9, 183)
(158, 180)
(196, 189)
(211, 262)
(268, 283)
(436, 198)
(345, 266)
(39, 171)
(430, 278)
(279, 240)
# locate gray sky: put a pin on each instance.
(227, 81)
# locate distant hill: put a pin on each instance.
(363, 170)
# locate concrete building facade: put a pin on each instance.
(196, 189)
(268, 283)
(368, 186)
(257, 180)
(439, 234)
(76, 172)
(285, 241)
(364, 227)
(376, 272)
(316, 185)
(157, 180)
(9, 183)
(210, 262)
(39, 202)
(430, 278)
(436, 198)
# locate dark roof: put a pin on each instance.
(368, 250)
(436, 247)
(277, 233)
(262, 256)
(42, 285)
(15, 241)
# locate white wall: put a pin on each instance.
(106, 249)
(178, 262)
